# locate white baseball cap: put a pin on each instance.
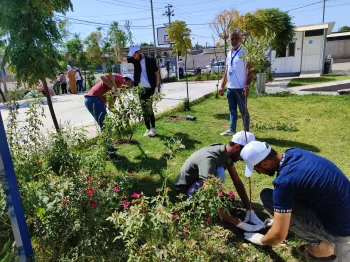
(134, 49)
(240, 138)
(130, 76)
(253, 153)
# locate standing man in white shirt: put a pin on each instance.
(238, 76)
(146, 75)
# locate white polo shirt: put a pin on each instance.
(236, 71)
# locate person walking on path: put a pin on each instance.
(146, 75)
(311, 197)
(181, 69)
(72, 80)
(79, 79)
(63, 81)
(214, 160)
(95, 99)
(238, 76)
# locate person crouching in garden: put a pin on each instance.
(213, 160)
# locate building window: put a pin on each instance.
(314, 32)
(288, 52)
(291, 49)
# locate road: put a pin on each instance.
(71, 108)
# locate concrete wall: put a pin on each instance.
(339, 49)
(202, 60)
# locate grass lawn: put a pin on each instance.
(322, 124)
(316, 80)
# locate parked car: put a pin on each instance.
(217, 67)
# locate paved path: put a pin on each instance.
(71, 108)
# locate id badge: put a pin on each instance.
(230, 71)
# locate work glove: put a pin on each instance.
(268, 222)
(255, 238)
(250, 228)
(254, 218)
(156, 90)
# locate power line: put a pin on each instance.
(315, 3)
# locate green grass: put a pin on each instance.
(316, 80)
(321, 126)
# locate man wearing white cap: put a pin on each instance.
(311, 196)
(146, 75)
(213, 160)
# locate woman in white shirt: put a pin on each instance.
(79, 79)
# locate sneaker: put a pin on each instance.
(227, 133)
(147, 132)
(152, 132)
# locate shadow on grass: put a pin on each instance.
(289, 143)
(184, 137)
(222, 116)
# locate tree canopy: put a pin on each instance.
(179, 33)
(344, 29)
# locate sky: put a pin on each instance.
(197, 14)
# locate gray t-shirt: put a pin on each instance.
(203, 163)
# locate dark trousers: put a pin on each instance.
(64, 88)
(307, 225)
(181, 73)
(147, 107)
(236, 99)
(80, 85)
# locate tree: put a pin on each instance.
(179, 33)
(223, 24)
(33, 38)
(271, 19)
(93, 49)
(344, 29)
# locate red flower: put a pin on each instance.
(125, 204)
(207, 218)
(186, 230)
(93, 203)
(136, 195)
(231, 194)
(116, 189)
(87, 178)
(174, 216)
(65, 201)
(220, 193)
(90, 191)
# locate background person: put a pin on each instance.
(238, 76)
(63, 81)
(146, 75)
(311, 197)
(72, 80)
(79, 79)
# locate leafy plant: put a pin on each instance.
(289, 127)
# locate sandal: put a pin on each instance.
(302, 251)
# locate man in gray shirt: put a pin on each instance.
(213, 160)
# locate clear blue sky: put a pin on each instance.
(196, 13)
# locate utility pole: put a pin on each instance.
(154, 32)
(324, 10)
(169, 12)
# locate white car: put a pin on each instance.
(218, 67)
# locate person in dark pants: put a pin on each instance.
(95, 100)
(63, 81)
(181, 69)
(79, 79)
(311, 197)
(238, 76)
(146, 75)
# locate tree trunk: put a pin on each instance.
(2, 95)
(225, 47)
(85, 80)
(49, 103)
(188, 97)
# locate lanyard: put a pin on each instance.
(232, 58)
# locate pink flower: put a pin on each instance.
(131, 174)
(207, 218)
(90, 191)
(87, 178)
(135, 195)
(220, 193)
(65, 201)
(231, 194)
(125, 204)
(93, 203)
(174, 216)
(116, 189)
(186, 230)
(159, 211)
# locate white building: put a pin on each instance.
(306, 54)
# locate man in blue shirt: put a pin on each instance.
(311, 196)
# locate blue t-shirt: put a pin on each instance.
(315, 182)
